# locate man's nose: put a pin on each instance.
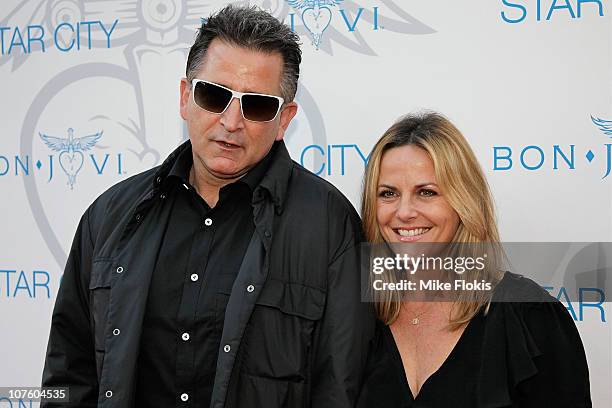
(407, 208)
(232, 119)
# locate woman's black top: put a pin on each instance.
(520, 354)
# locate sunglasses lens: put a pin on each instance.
(259, 108)
(211, 97)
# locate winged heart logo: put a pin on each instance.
(604, 125)
(316, 16)
(71, 151)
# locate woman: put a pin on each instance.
(423, 184)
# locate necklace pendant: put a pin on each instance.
(415, 321)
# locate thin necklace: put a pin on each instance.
(416, 319)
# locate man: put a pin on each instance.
(226, 277)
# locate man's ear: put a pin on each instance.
(288, 112)
(185, 91)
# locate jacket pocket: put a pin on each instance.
(293, 299)
(277, 344)
(99, 291)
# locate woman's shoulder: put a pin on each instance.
(530, 340)
(524, 310)
(519, 289)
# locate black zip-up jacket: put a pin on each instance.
(295, 332)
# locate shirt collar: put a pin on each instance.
(182, 165)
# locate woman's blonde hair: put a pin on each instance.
(464, 186)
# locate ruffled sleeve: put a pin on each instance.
(532, 355)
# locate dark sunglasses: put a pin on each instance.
(215, 98)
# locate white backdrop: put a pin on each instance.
(530, 77)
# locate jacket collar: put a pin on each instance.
(275, 182)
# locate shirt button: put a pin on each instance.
(268, 234)
(185, 336)
(158, 180)
(108, 394)
(250, 288)
(208, 222)
(116, 332)
(119, 269)
(162, 196)
(227, 348)
(194, 277)
(184, 397)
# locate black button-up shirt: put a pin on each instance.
(197, 264)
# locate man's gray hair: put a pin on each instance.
(254, 29)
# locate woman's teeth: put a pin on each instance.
(412, 232)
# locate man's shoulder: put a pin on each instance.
(320, 214)
(314, 198)
(306, 183)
